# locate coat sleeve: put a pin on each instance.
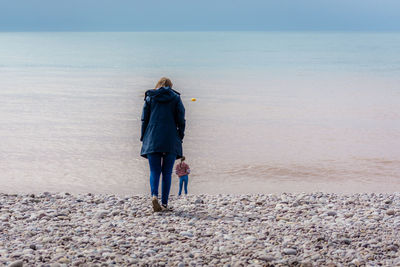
(187, 169)
(145, 117)
(180, 119)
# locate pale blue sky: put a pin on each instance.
(207, 15)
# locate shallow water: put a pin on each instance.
(274, 112)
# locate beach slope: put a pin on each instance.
(313, 229)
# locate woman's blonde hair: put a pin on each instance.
(163, 82)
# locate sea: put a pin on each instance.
(275, 112)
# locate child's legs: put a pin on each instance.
(180, 185)
(166, 169)
(186, 180)
(155, 171)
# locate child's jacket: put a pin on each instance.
(182, 169)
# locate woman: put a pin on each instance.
(163, 128)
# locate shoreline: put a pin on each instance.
(304, 229)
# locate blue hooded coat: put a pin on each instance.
(163, 122)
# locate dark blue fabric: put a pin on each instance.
(183, 180)
(163, 122)
(161, 163)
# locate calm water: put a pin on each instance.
(274, 112)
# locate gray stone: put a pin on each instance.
(331, 213)
(185, 233)
(289, 251)
(101, 214)
(346, 241)
(17, 263)
(265, 257)
(198, 201)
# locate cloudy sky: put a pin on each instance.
(205, 15)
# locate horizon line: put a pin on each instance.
(126, 31)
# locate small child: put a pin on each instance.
(182, 170)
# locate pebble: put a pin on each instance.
(63, 260)
(346, 241)
(332, 213)
(18, 263)
(290, 251)
(141, 238)
(188, 234)
(390, 212)
(306, 229)
(250, 239)
(101, 213)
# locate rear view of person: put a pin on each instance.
(182, 170)
(163, 127)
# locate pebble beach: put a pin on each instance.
(305, 229)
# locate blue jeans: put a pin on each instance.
(161, 163)
(183, 180)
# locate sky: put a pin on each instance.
(199, 15)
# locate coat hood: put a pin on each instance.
(163, 94)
